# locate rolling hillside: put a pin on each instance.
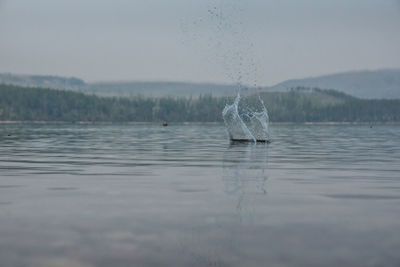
(362, 84)
(158, 89)
(43, 81)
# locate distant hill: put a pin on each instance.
(362, 84)
(158, 89)
(44, 81)
(124, 89)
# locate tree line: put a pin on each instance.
(297, 105)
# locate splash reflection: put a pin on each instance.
(245, 175)
(220, 238)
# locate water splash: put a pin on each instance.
(247, 120)
(231, 46)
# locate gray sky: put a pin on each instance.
(185, 40)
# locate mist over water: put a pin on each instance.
(183, 195)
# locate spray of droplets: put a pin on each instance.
(223, 28)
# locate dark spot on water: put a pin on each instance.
(5, 203)
(362, 196)
(62, 188)
(10, 186)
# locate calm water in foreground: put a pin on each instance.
(133, 195)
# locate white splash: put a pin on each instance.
(247, 122)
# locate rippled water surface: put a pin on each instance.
(144, 195)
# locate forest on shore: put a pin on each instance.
(296, 105)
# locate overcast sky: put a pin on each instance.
(198, 40)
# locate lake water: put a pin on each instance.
(146, 195)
